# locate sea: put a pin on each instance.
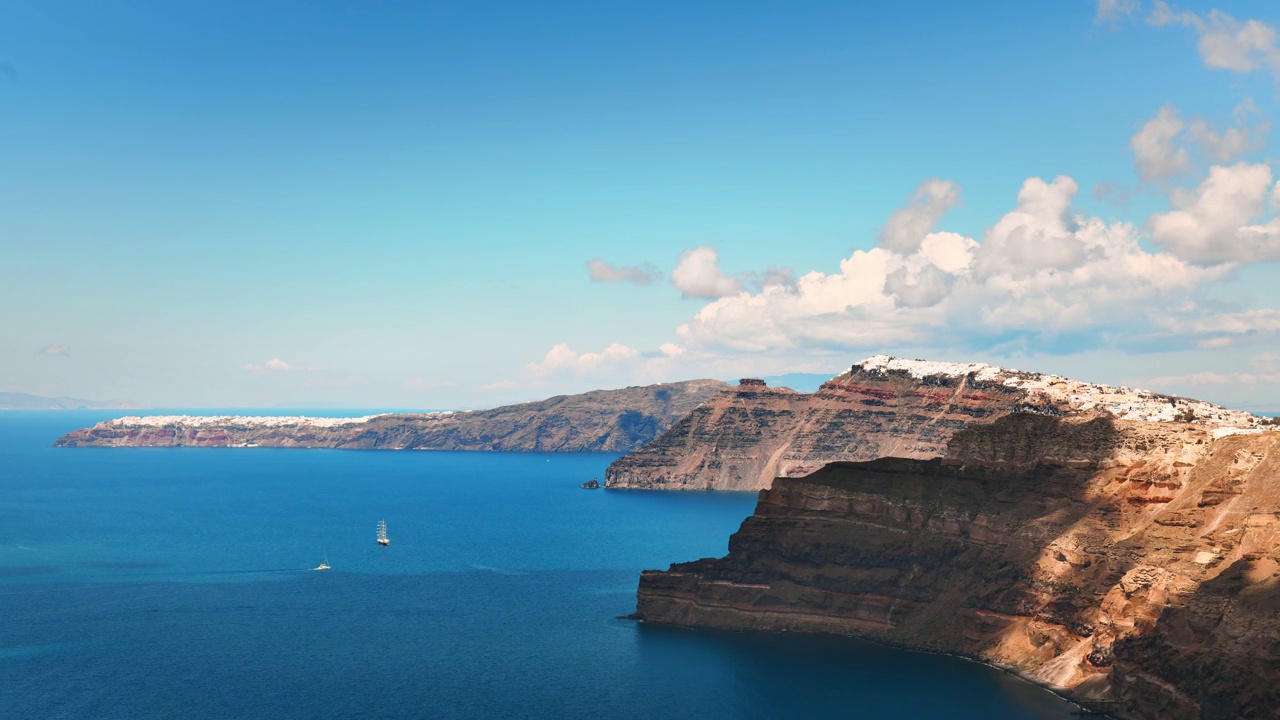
(178, 583)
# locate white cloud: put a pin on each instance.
(698, 275)
(1230, 144)
(924, 287)
(1043, 274)
(622, 364)
(908, 225)
(1040, 272)
(1213, 222)
(55, 349)
(1156, 155)
(602, 271)
(1036, 235)
(1110, 11)
(1161, 148)
(784, 276)
(1225, 43)
(272, 365)
(562, 358)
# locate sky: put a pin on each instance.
(463, 204)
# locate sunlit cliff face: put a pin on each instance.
(1119, 561)
(882, 407)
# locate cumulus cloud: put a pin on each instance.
(1043, 275)
(1040, 271)
(1038, 234)
(923, 287)
(783, 276)
(1216, 222)
(1162, 147)
(1156, 155)
(55, 349)
(562, 358)
(1225, 43)
(615, 362)
(272, 365)
(1227, 145)
(698, 275)
(908, 225)
(602, 271)
(1110, 11)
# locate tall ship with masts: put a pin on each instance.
(382, 533)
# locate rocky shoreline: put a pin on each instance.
(1111, 561)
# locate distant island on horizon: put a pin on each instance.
(27, 401)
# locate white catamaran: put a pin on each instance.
(382, 533)
(324, 565)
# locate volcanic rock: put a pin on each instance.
(883, 407)
(600, 421)
(1123, 561)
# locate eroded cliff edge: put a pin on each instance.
(600, 421)
(1114, 560)
(883, 407)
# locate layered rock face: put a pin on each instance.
(602, 420)
(1121, 561)
(882, 407)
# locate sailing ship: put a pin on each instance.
(382, 533)
(324, 565)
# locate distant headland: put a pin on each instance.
(599, 421)
(26, 401)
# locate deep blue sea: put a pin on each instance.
(145, 584)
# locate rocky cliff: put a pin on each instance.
(1131, 564)
(602, 420)
(882, 407)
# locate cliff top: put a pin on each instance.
(264, 421)
(1070, 395)
(598, 421)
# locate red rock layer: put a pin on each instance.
(749, 435)
(1119, 562)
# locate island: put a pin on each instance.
(1118, 547)
(881, 407)
(598, 421)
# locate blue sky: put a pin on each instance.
(397, 205)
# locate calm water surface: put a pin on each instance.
(158, 583)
